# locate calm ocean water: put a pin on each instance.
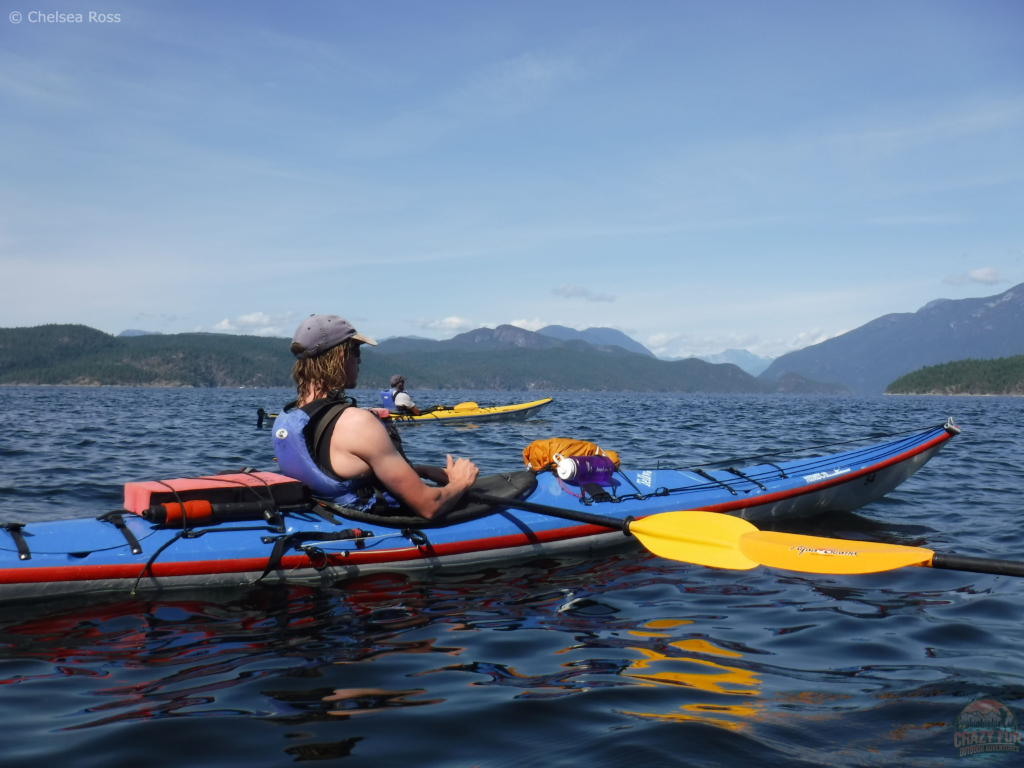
(628, 659)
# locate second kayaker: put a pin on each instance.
(397, 399)
(347, 454)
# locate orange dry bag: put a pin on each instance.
(540, 453)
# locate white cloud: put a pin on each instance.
(447, 325)
(258, 324)
(570, 291)
(809, 338)
(985, 276)
(689, 345)
(530, 325)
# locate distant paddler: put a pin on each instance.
(396, 399)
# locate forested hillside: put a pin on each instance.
(78, 355)
(1003, 376)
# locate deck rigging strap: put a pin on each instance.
(322, 511)
(705, 475)
(19, 541)
(191, 533)
(597, 493)
(748, 478)
(116, 520)
(282, 543)
(152, 559)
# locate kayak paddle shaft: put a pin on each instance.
(614, 523)
(977, 565)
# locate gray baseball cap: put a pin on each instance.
(397, 380)
(319, 333)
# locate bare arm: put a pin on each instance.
(406, 405)
(435, 474)
(362, 445)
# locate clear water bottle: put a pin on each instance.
(585, 469)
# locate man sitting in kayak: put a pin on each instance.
(397, 399)
(347, 454)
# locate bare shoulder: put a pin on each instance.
(359, 418)
(359, 424)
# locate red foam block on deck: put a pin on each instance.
(137, 495)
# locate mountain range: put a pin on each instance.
(512, 358)
(607, 337)
(598, 337)
(502, 358)
(748, 361)
(512, 336)
(868, 358)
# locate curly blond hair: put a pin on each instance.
(319, 375)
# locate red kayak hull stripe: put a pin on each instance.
(249, 564)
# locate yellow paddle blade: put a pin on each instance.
(466, 407)
(814, 554)
(705, 538)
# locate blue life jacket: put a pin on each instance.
(388, 398)
(292, 447)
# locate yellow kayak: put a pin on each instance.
(463, 413)
(472, 413)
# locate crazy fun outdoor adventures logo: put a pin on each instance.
(986, 725)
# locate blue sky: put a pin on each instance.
(698, 175)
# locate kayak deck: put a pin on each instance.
(89, 555)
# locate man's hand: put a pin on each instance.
(462, 473)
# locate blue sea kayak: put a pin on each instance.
(307, 543)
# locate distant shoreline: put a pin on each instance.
(950, 394)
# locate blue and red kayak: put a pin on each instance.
(240, 529)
